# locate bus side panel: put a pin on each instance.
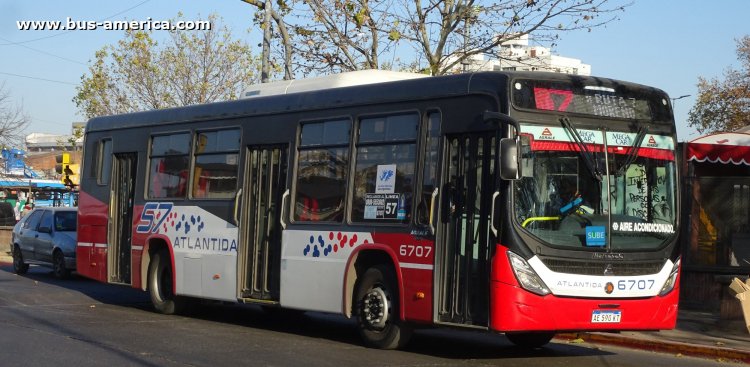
(313, 266)
(204, 248)
(91, 251)
(512, 308)
(415, 256)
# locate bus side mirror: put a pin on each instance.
(510, 151)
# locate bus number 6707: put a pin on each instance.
(415, 250)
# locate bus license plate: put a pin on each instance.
(599, 316)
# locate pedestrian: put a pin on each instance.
(26, 208)
(17, 211)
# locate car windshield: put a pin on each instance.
(65, 221)
(563, 202)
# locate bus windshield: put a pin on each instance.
(577, 197)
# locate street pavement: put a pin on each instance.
(697, 334)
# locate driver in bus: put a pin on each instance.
(564, 191)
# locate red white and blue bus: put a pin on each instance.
(518, 203)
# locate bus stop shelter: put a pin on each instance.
(716, 214)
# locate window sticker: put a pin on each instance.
(643, 227)
(385, 182)
(382, 206)
(596, 236)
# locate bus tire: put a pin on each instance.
(19, 266)
(530, 339)
(377, 309)
(160, 285)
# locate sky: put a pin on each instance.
(667, 44)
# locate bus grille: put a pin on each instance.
(599, 268)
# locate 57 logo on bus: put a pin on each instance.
(152, 216)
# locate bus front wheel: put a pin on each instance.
(377, 310)
(160, 285)
(530, 339)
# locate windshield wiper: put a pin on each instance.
(591, 163)
(633, 153)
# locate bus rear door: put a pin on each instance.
(260, 230)
(122, 189)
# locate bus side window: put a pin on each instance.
(215, 166)
(322, 166)
(103, 161)
(385, 170)
(429, 168)
(169, 163)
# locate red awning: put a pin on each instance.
(724, 148)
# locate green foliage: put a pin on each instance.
(394, 35)
(724, 105)
(190, 67)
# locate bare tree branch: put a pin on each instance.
(13, 120)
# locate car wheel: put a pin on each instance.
(160, 285)
(377, 310)
(58, 265)
(19, 266)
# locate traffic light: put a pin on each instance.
(68, 171)
(71, 175)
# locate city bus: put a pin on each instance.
(523, 203)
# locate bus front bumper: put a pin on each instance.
(515, 309)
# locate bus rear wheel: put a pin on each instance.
(530, 339)
(160, 285)
(377, 309)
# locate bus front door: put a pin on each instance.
(122, 188)
(260, 228)
(463, 257)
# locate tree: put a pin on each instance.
(724, 105)
(357, 34)
(192, 67)
(13, 120)
(268, 13)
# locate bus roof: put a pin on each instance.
(359, 77)
(490, 83)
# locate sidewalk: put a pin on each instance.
(699, 334)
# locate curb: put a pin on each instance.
(664, 346)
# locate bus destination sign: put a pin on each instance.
(588, 100)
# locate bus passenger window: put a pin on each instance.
(384, 176)
(322, 170)
(216, 164)
(168, 173)
(430, 168)
(103, 160)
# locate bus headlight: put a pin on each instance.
(672, 280)
(526, 276)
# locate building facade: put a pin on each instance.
(516, 54)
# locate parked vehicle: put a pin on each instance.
(46, 236)
(7, 215)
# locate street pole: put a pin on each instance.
(680, 97)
